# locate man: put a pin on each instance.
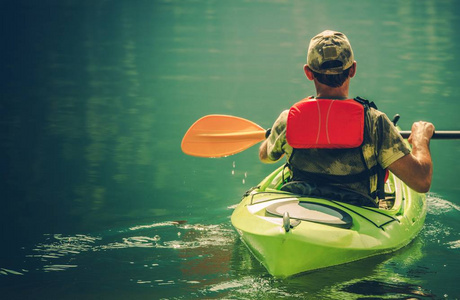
(330, 65)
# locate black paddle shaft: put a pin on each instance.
(438, 135)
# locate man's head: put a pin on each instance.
(330, 57)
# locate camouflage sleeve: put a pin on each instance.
(390, 144)
(277, 139)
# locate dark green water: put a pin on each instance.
(96, 96)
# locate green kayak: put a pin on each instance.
(291, 234)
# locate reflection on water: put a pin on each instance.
(201, 249)
(440, 206)
(210, 261)
(60, 246)
(4, 271)
(438, 231)
(217, 264)
(387, 290)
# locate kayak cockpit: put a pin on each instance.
(392, 204)
(312, 212)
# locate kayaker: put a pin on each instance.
(331, 65)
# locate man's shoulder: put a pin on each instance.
(377, 117)
(376, 113)
(282, 118)
(284, 113)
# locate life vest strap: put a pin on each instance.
(332, 178)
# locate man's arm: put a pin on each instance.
(271, 149)
(263, 154)
(416, 168)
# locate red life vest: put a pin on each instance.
(325, 123)
(330, 124)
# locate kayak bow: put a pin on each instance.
(291, 234)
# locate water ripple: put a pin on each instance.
(439, 206)
(154, 225)
(58, 250)
(4, 271)
(64, 245)
(454, 244)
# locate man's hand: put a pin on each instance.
(421, 132)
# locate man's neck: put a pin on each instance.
(327, 92)
(331, 96)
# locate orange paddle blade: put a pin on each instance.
(221, 135)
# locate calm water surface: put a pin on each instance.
(98, 201)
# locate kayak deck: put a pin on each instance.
(290, 233)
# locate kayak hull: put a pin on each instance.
(306, 245)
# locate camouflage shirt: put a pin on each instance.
(382, 145)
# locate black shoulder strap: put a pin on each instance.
(365, 102)
(380, 192)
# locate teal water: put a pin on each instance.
(99, 202)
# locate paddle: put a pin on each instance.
(222, 135)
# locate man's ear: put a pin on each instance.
(308, 72)
(352, 70)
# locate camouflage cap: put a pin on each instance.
(329, 53)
